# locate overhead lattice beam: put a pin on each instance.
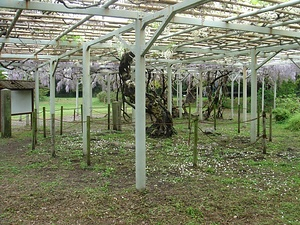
(267, 59)
(235, 26)
(51, 7)
(71, 28)
(262, 10)
(13, 23)
(169, 14)
(239, 53)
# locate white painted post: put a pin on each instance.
(90, 98)
(53, 65)
(140, 102)
(52, 96)
(253, 131)
(232, 96)
(245, 94)
(169, 74)
(86, 80)
(77, 97)
(37, 96)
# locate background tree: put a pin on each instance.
(216, 91)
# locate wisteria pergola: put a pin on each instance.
(164, 32)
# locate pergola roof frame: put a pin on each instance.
(156, 17)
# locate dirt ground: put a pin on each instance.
(233, 184)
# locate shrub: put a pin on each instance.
(268, 99)
(294, 123)
(102, 96)
(43, 93)
(281, 114)
(289, 102)
(287, 87)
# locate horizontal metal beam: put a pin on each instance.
(262, 10)
(235, 26)
(241, 53)
(168, 13)
(110, 35)
(267, 59)
(51, 7)
(28, 41)
(24, 56)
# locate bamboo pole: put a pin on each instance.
(61, 119)
(33, 129)
(190, 112)
(36, 125)
(108, 116)
(116, 111)
(215, 118)
(195, 150)
(239, 118)
(44, 121)
(264, 137)
(81, 115)
(270, 128)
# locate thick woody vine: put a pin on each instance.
(162, 122)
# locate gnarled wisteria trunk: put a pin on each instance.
(162, 122)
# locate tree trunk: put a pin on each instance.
(155, 104)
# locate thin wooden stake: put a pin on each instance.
(44, 121)
(81, 115)
(33, 129)
(190, 110)
(108, 116)
(264, 137)
(195, 150)
(215, 118)
(36, 126)
(239, 118)
(61, 119)
(270, 129)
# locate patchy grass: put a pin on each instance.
(234, 183)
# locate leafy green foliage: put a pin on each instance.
(281, 114)
(268, 99)
(43, 93)
(287, 87)
(2, 76)
(72, 38)
(289, 102)
(257, 2)
(294, 123)
(102, 96)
